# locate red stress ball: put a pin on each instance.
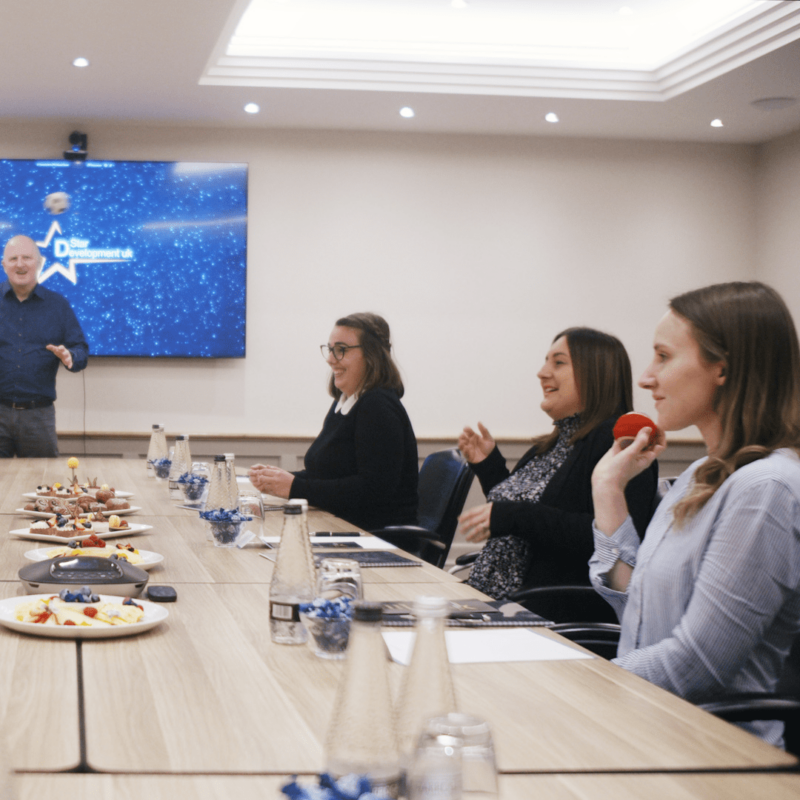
(628, 425)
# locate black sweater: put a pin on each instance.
(364, 466)
(559, 525)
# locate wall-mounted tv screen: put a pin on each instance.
(151, 255)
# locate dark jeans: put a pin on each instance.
(28, 433)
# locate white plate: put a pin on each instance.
(46, 514)
(120, 494)
(25, 533)
(154, 614)
(149, 558)
(35, 514)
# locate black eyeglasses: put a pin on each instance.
(338, 351)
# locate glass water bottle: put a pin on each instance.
(233, 484)
(294, 580)
(427, 689)
(362, 736)
(218, 487)
(181, 462)
(157, 449)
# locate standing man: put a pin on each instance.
(38, 331)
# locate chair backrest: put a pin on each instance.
(565, 603)
(444, 482)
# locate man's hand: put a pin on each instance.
(62, 354)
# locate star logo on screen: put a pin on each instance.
(76, 251)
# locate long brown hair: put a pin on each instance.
(603, 379)
(374, 337)
(747, 327)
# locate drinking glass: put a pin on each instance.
(339, 577)
(195, 494)
(478, 765)
(252, 505)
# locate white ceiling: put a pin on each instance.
(148, 58)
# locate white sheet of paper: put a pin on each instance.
(488, 645)
(364, 542)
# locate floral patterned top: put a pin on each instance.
(530, 481)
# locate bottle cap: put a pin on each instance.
(471, 730)
(220, 457)
(158, 426)
(292, 510)
(366, 611)
(181, 437)
(431, 607)
(299, 502)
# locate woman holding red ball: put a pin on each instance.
(709, 602)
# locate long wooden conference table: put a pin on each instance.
(205, 705)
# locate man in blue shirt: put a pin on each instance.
(38, 331)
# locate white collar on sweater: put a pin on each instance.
(344, 404)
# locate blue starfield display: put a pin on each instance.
(151, 255)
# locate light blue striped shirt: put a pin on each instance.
(713, 606)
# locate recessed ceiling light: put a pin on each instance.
(773, 103)
(80, 62)
(716, 123)
(551, 117)
(406, 112)
(252, 108)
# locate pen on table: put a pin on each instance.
(336, 533)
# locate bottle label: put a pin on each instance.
(284, 612)
(441, 786)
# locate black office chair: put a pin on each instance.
(561, 604)
(783, 704)
(601, 638)
(444, 482)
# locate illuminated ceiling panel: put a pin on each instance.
(597, 49)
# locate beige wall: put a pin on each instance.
(476, 249)
(778, 203)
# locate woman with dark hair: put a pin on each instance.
(539, 517)
(363, 465)
(710, 601)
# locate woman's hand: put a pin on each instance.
(271, 480)
(474, 524)
(475, 446)
(614, 471)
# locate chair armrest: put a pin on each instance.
(754, 706)
(411, 533)
(463, 562)
(594, 630)
(565, 603)
(601, 638)
(418, 541)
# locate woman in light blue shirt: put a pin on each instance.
(710, 601)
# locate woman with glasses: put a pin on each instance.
(363, 466)
(538, 518)
(710, 601)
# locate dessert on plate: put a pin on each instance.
(78, 608)
(95, 546)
